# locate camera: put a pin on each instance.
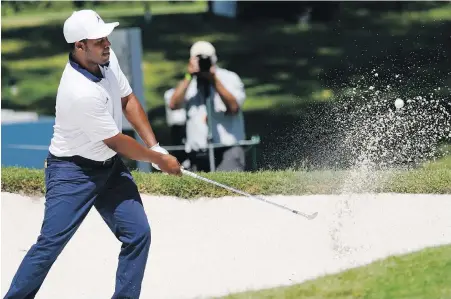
(204, 63)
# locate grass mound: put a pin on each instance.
(420, 275)
(428, 179)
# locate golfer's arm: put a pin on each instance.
(132, 149)
(228, 99)
(137, 117)
(179, 94)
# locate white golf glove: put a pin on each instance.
(159, 149)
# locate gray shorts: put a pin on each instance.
(232, 160)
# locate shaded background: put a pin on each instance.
(297, 60)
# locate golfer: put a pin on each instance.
(83, 168)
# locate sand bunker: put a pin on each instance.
(212, 247)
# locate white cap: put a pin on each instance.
(86, 24)
(203, 48)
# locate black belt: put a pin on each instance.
(81, 161)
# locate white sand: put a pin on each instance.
(213, 247)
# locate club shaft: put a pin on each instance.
(246, 194)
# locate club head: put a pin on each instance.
(312, 216)
(309, 217)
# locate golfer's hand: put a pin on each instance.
(170, 165)
(170, 169)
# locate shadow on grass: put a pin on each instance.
(296, 62)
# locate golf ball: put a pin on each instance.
(399, 103)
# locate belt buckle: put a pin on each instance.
(106, 161)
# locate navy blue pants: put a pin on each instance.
(71, 191)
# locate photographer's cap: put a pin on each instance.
(205, 49)
(86, 24)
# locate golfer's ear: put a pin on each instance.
(80, 45)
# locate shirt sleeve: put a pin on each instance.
(92, 116)
(235, 86)
(167, 96)
(124, 85)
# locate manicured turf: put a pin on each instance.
(420, 275)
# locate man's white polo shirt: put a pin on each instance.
(88, 110)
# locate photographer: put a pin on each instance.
(211, 96)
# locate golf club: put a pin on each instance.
(191, 174)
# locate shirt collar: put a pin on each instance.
(84, 71)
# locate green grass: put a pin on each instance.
(59, 11)
(444, 162)
(431, 178)
(420, 275)
(422, 17)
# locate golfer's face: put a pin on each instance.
(99, 50)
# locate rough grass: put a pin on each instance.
(421, 275)
(427, 179)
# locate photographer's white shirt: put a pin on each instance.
(226, 129)
(88, 110)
